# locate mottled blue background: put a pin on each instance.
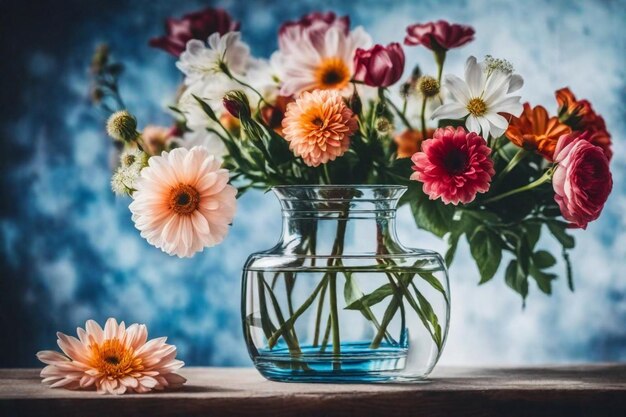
(68, 248)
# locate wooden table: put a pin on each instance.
(589, 390)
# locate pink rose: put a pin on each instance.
(439, 35)
(582, 180)
(380, 66)
(197, 25)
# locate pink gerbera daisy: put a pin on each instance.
(113, 361)
(183, 202)
(318, 126)
(454, 165)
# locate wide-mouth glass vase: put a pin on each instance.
(339, 298)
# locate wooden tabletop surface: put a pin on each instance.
(586, 390)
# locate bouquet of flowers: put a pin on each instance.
(331, 107)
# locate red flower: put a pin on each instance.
(439, 35)
(535, 130)
(380, 66)
(580, 116)
(313, 25)
(454, 165)
(582, 180)
(197, 25)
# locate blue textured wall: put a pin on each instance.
(68, 249)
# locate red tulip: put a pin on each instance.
(197, 25)
(439, 35)
(380, 66)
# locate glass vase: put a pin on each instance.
(339, 298)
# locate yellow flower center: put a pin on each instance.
(477, 107)
(184, 199)
(332, 73)
(113, 359)
(428, 86)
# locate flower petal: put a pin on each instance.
(450, 111)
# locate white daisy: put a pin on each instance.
(480, 97)
(201, 63)
(491, 64)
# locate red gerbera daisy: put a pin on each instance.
(454, 165)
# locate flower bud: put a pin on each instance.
(428, 86)
(405, 89)
(122, 126)
(133, 159)
(100, 58)
(123, 181)
(383, 126)
(355, 103)
(96, 95)
(236, 103)
(416, 73)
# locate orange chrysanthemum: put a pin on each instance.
(409, 142)
(535, 130)
(318, 126)
(580, 116)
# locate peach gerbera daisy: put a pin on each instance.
(183, 202)
(318, 126)
(113, 361)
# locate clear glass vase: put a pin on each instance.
(339, 298)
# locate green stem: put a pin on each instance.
(271, 342)
(326, 174)
(519, 156)
(390, 313)
(544, 178)
(399, 113)
(334, 311)
(326, 335)
(245, 84)
(318, 318)
(334, 317)
(423, 117)
(440, 58)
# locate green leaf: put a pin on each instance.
(451, 122)
(351, 291)
(453, 242)
(543, 279)
(515, 279)
(524, 255)
(206, 108)
(486, 249)
(278, 147)
(533, 232)
(427, 313)
(370, 299)
(434, 282)
(432, 215)
(558, 231)
(543, 259)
